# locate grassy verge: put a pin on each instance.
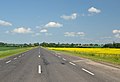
(8, 48)
(10, 52)
(107, 59)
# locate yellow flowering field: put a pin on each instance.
(111, 54)
(91, 50)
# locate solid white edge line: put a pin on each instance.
(64, 59)
(39, 69)
(88, 71)
(72, 63)
(8, 61)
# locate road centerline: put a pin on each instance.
(39, 69)
(39, 56)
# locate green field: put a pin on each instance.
(8, 48)
(10, 51)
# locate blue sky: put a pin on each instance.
(65, 21)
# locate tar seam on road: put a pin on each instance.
(8, 61)
(39, 69)
(72, 63)
(88, 71)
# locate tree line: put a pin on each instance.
(67, 45)
(73, 45)
(18, 45)
(112, 45)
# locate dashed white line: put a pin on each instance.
(59, 56)
(8, 61)
(15, 58)
(39, 56)
(88, 71)
(19, 56)
(72, 63)
(39, 69)
(64, 59)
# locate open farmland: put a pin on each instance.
(8, 48)
(9, 51)
(110, 55)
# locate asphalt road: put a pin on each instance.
(41, 65)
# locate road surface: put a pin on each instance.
(41, 65)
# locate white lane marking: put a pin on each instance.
(59, 56)
(39, 69)
(88, 71)
(19, 56)
(15, 58)
(64, 59)
(8, 61)
(39, 56)
(22, 54)
(72, 63)
(77, 61)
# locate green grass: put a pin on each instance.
(8, 48)
(92, 57)
(7, 51)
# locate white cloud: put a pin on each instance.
(53, 24)
(116, 31)
(22, 30)
(72, 34)
(5, 23)
(94, 10)
(81, 33)
(117, 35)
(71, 17)
(107, 37)
(43, 30)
